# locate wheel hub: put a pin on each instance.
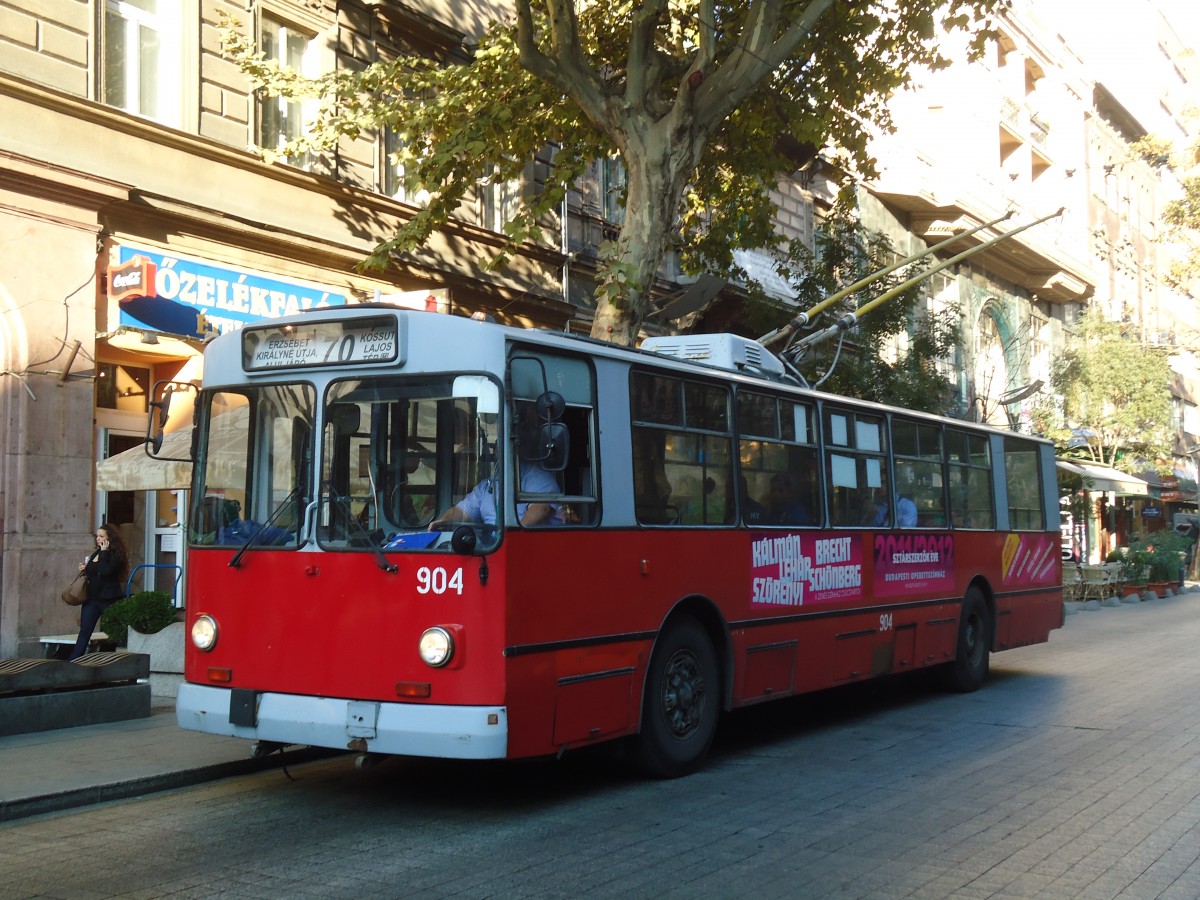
(683, 694)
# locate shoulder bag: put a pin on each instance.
(75, 593)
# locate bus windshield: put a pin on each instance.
(253, 466)
(398, 453)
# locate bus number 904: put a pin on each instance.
(436, 580)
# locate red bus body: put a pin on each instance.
(555, 630)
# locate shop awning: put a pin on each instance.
(225, 464)
(134, 470)
(1104, 478)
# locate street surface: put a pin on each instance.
(1074, 773)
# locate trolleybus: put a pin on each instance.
(420, 534)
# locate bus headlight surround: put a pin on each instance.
(204, 633)
(436, 646)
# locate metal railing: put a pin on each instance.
(138, 568)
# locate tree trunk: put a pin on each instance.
(658, 158)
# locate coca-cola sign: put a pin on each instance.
(133, 278)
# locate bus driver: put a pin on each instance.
(480, 504)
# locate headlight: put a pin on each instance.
(436, 646)
(204, 633)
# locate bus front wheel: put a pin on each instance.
(681, 703)
(970, 667)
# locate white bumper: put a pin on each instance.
(452, 732)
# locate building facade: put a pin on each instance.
(1050, 119)
(137, 221)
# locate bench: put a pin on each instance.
(57, 646)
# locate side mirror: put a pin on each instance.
(554, 445)
(160, 411)
(551, 443)
(463, 540)
(550, 406)
(158, 417)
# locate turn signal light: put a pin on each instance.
(220, 676)
(415, 690)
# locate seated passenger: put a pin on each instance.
(782, 509)
(753, 512)
(906, 512)
(878, 513)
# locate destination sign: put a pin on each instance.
(342, 343)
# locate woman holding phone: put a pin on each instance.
(106, 568)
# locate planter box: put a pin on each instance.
(165, 649)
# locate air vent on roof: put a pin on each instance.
(725, 351)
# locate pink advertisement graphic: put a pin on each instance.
(804, 569)
(905, 563)
(1030, 558)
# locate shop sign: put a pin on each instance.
(1151, 512)
(131, 279)
(193, 298)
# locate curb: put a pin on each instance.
(123, 790)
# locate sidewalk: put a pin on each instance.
(47, 771)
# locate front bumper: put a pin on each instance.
(409, 729)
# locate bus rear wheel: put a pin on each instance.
(681, 704)
(970, 667)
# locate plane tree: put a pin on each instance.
(706, 104)
(1110, 402)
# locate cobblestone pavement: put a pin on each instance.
(1075, 773)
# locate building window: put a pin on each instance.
(499, 201)
(393, 169)
(122, 387)
(613, 180)
(393, 172)
(281, 119)
(141, 69)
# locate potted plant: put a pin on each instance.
(147, 612)
(1166, 562)
(1135, 567)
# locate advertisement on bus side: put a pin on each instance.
(803, 569)
(910, 563)
(1030, 559)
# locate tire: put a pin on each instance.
(969, 670)
(681, 703)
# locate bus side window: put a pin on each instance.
(683, 451)
(538, 376)
(651, 489)
(1024, 485)
(777, 449)
(856, 470)
(969, 480)
(578, 478)
(919, 474)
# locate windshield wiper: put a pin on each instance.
(237, 557)
(361, 531)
